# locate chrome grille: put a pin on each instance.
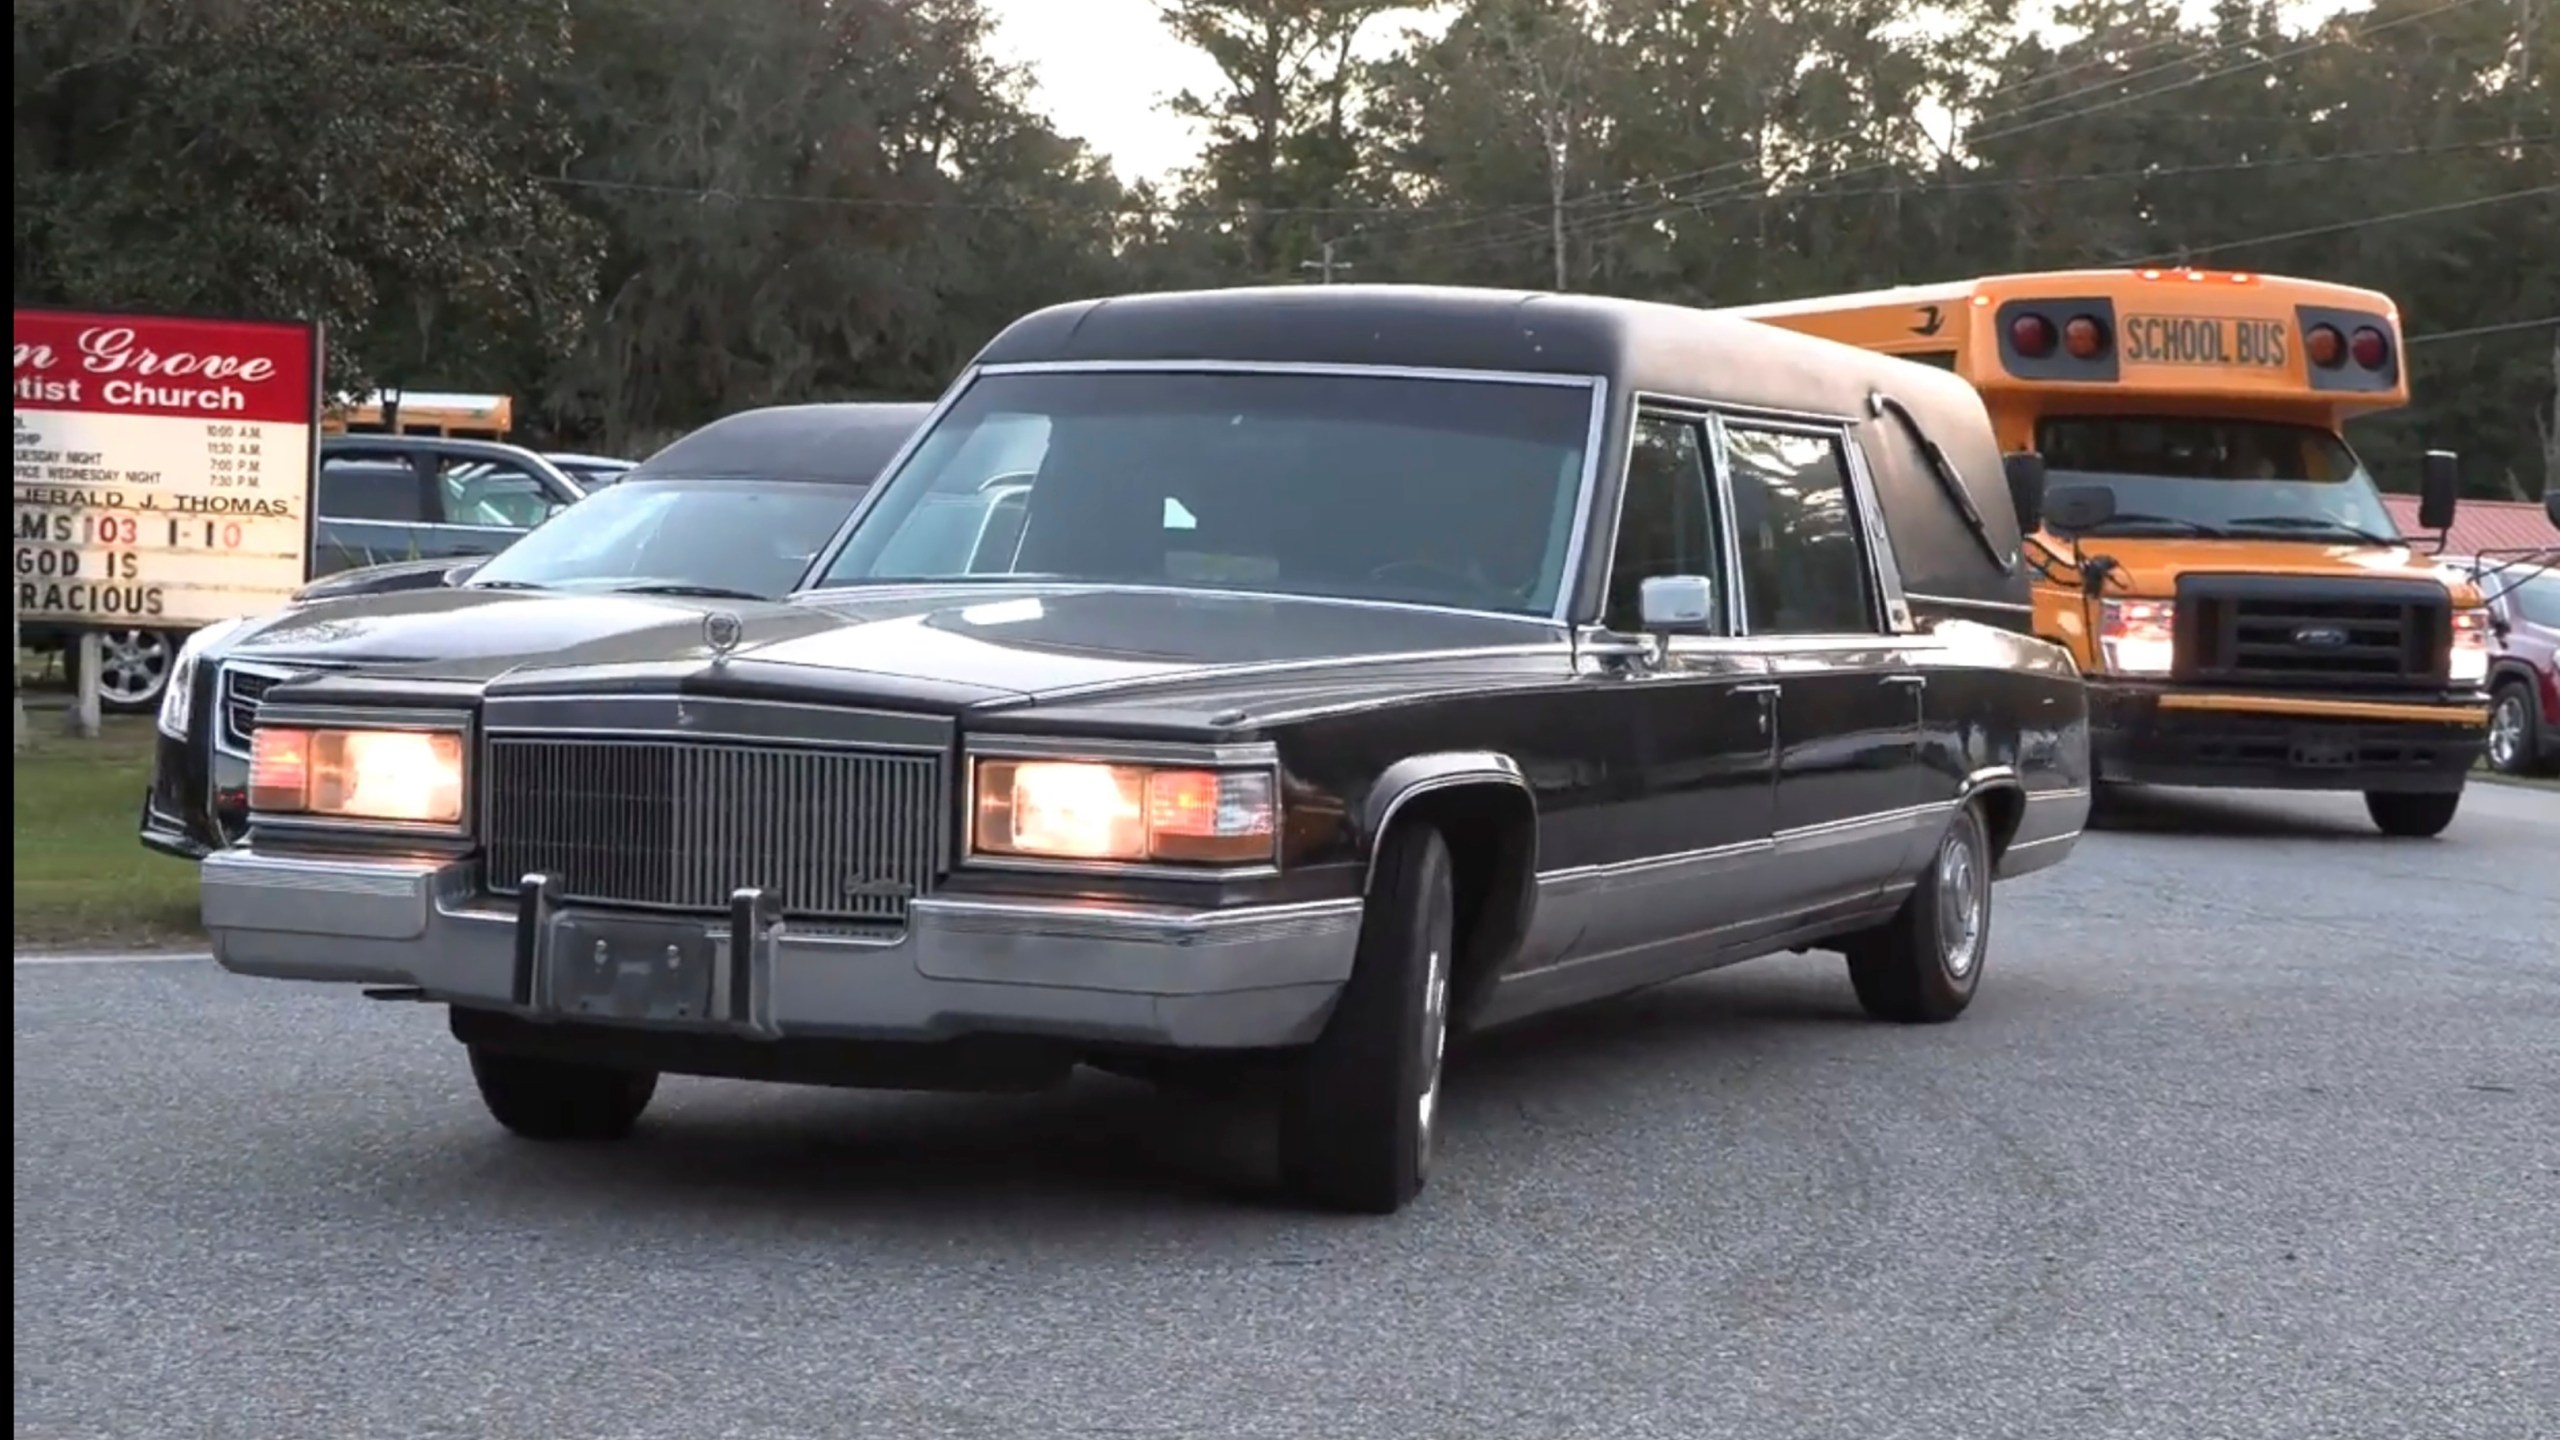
(841, 835)
(240, 692)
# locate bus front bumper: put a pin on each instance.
(2155, 735)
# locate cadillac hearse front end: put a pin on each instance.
(579, 859)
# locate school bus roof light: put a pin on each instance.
(2084, 337)
(2325, 346)
(2033, 335)
(2371, 349)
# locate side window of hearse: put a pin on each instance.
(1665, 525)
(1803, 570)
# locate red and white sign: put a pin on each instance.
(164, 466)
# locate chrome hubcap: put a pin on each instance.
(132, 664)
(1435, 1043)
(1960, 902)
(2506, 732)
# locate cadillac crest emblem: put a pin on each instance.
(722, 631)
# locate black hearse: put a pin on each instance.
(1289, 675)
(734, 509)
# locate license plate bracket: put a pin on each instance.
(633, 971)
(2316, 752)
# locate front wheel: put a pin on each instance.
(1923, 965)
(2409, 816)
(2511, 726)
(1359, 1118)
(558, 1099)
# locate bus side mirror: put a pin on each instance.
(2078, 507)
(2439, 490)
(2024, 470)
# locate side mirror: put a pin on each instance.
(2439, 490)
(2078, 507)
(1671, 604)
(463, 571)
(2024, 470)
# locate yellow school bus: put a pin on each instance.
(2212, 551)
(423, 412)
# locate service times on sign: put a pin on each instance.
(164, 467)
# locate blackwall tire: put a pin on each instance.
(1360, 1112)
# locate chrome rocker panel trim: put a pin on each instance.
(1115, 974)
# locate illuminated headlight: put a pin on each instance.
(1085, 810)
(2139, 637)
(412, 776)
(178, 702)
(2470, 658)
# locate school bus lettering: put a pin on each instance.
(2203, 340)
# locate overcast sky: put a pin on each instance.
(1102, 69)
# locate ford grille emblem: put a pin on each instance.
(2320, 637)
(722, 630)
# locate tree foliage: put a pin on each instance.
(639, 214)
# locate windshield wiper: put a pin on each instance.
(702, 592)
(2313, 522)
(2137, 517)
(502, 585)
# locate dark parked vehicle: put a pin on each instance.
(734, 509)
(1282, 678)
(419, 501)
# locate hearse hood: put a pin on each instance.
(949, 647)
(455, 626)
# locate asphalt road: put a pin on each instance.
(2254, 1132)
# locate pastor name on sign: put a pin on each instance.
(164, 466)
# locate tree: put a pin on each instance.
(359, 162)
(1280, 149)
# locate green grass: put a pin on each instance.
(80, 877)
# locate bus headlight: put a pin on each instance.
(2469, 663)
(2139, 637)
(1131, 814)
(403, 776)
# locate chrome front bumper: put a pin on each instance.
(1223, 979)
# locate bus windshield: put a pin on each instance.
(2261, 478)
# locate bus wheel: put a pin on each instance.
(2412, 816)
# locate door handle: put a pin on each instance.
(1916, 682)
(1755, 689)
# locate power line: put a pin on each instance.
(1996, 184)
(2502, 328)
(2340, 227)
(1658, 207)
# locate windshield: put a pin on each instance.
(748, 536)
(2259, 477)
(1442, 492)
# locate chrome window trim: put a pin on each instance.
(413, 718)
(1595, 432)
(1879, 613)
(1710, 457)
(1882, 563)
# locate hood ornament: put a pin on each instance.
(723, 632)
